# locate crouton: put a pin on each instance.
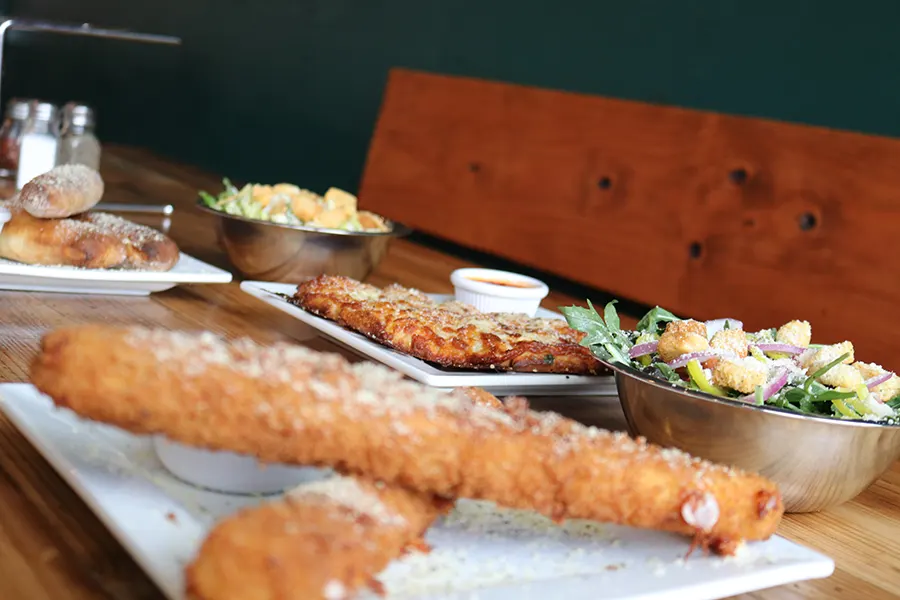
(286, 188)
(888, 390)
(813, 361)
(332, 218)
(730, 340)
(370, 220)
(842, 376)
(795, 333)
(338, 198)
(305, 207)
(682, 337)
(741, 374)
(687, 326)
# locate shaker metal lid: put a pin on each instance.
(44, 111)
(79, 115)
(19, 108)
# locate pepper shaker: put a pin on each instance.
(77, 142)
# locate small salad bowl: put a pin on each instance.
(270, 251)
(817, 462)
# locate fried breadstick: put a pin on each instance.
(309, 544)
(323, 540)
(289, 404)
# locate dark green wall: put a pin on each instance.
(289, 89)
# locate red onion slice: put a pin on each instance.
(686, 358)
(783, 348)
(643, 349)
(771, 388)
(878, 380)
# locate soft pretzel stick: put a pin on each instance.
(289, 404)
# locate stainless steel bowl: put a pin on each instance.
(292, 253)
(817, 462)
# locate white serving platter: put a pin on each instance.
(478, 551)
(498, 383)
(71, 280)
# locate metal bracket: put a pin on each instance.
(85, 29)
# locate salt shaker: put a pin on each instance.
(39, 145)
(77, 142)
(17, 114)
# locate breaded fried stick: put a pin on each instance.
(323, 540)
(289, 404)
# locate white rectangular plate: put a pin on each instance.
(479, 550)
(71, 280)
(432, 375)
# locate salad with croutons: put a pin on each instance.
(776, 367)
(287, 204)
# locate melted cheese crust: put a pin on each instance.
(450, 334)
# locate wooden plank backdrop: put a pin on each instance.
(706, 214)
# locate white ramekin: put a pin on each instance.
(489, 297)
(5, 216)
(229, 472)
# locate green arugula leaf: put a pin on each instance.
(795, 395)
(589, 322)
(807, 406)
(580, 318)
(668, 372)
(208, 199)
(649, 323)
(894, 402)
(817, 388)
(230, 188)
(610, 345)
(612, 317)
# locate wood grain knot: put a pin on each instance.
(604, 183)
(695, 250)
(738, 176)
(807, 221)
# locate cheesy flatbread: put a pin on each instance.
(450, 334)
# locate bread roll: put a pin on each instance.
(91, 241)
(61, 192)
(146, 249)
(58, 242)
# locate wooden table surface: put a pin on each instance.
(52, 547)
